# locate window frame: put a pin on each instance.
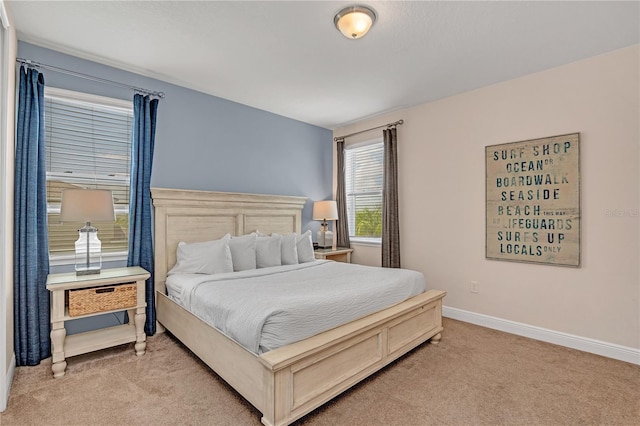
(367, 241)
(72, 95)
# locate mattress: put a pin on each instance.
(264, 309)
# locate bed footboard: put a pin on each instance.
(309, 373)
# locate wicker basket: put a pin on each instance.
(100, 299)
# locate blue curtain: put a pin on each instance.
(31, 246)
(140, 238)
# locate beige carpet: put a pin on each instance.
(476, 376)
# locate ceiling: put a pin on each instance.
(287, 57)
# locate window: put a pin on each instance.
(363, 185)
(88, 142)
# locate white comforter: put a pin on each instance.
(263, 309)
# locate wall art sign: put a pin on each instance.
(533, 201)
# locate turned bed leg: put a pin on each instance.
(436, 339)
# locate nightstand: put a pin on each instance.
(112, 290)
(340, 254)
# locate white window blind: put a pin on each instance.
(363, 184)
(88, 145)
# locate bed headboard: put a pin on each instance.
(194, 216)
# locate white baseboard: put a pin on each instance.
(598, 347)
(6, 386)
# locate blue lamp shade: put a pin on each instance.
(87, 205)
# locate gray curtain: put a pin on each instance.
(390, 220)
(30, 241)
(342, 226)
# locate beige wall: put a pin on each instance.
(442, 197)
(7, 118)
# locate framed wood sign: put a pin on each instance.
(533, 201)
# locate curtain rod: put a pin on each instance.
(31, 63)
(388, 125)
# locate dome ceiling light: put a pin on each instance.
(354, 21)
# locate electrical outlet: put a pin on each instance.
(474, 287)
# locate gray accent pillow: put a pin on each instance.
(289, 249)
(305, 248)
(243, 252)
(269, 251)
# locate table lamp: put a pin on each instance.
(325, 210)
(87, 205)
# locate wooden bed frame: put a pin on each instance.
(289, 382)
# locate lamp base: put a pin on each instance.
(87, 271)
(325, 239)
(88, 251)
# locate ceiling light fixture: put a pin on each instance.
(354, 21)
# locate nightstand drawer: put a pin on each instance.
(342, 257)
(101, 299)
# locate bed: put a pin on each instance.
(286, 383)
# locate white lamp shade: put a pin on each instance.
(354, 21)
(87, 205)
(325, 210)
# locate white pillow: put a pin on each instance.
(289, 249)
(305, 248)
(243, 252)
(268, 251)
(209, 257)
